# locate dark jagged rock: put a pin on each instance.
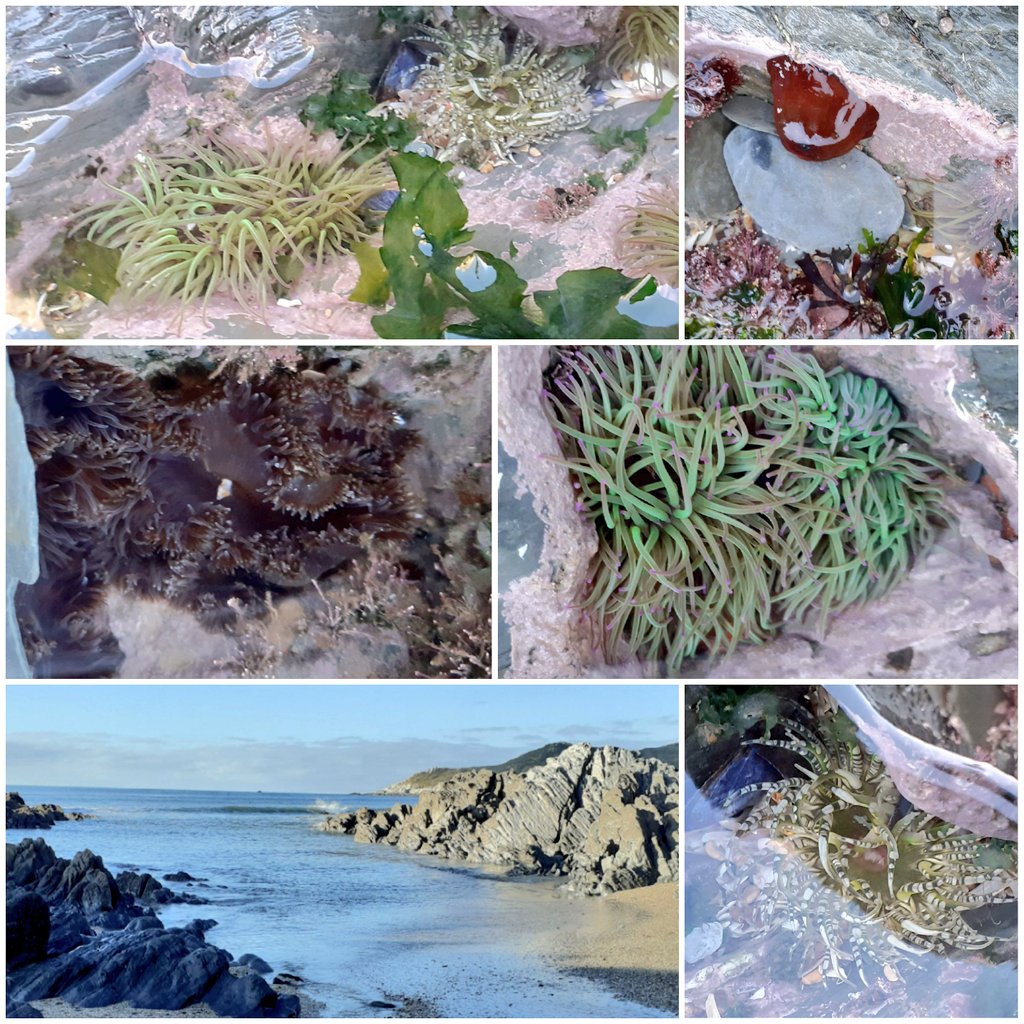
(605, 817)
(147, 889)
(200, 926)
(28, 929)
(20, 815)
(133, 958)
(70, 928)
(255, 963)
(181, 876)
(141, 924)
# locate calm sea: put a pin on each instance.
(356, 921)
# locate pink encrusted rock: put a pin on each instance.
(562, 26)
(919, 131)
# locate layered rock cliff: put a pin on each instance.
(603, 817)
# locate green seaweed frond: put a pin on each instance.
(345, 109)
(478, 294)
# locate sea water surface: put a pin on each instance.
(359, 923)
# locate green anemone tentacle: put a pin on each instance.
(730, 497)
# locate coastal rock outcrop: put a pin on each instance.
(148, 890)
(28, 929)
(20, 815)
(604, 817)
(102, 947)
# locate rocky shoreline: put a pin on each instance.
(20, 815)
(605, 818)
(76, 933)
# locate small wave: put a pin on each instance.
(239, 809)
(327, 807)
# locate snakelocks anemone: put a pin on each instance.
(729, 498)
(647, 240)
(204, 489)
(647, 36)
(225, 217)
(832, 862)
(479, 99)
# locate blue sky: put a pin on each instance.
(344, 738)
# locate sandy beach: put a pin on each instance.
(626, 941)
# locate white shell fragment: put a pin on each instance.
(702, 942)
(810, 205)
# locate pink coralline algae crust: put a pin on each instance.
(987, 294)
(561, 26)
(917, 131)
(709, 83)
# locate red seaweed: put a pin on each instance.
(709, 83)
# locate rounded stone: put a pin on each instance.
(703, 941)
(751, 112)
(708, 190)
(812, 206)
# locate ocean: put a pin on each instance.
(359, 923)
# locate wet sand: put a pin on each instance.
(59, 1008)
(539, 940)
(626, 941)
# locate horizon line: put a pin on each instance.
(10, 788)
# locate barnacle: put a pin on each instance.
(209, 491)
(478, 99)
(728, 498)
(224, 217)
(864, 887)
(648, 236)
(647, 35)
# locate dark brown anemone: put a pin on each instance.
(199, 488)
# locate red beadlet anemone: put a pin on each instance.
(816, 116)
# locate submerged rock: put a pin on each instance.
(751, 112)
(709, 192)
(812, 206)
(604, 817)
(147, 889)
